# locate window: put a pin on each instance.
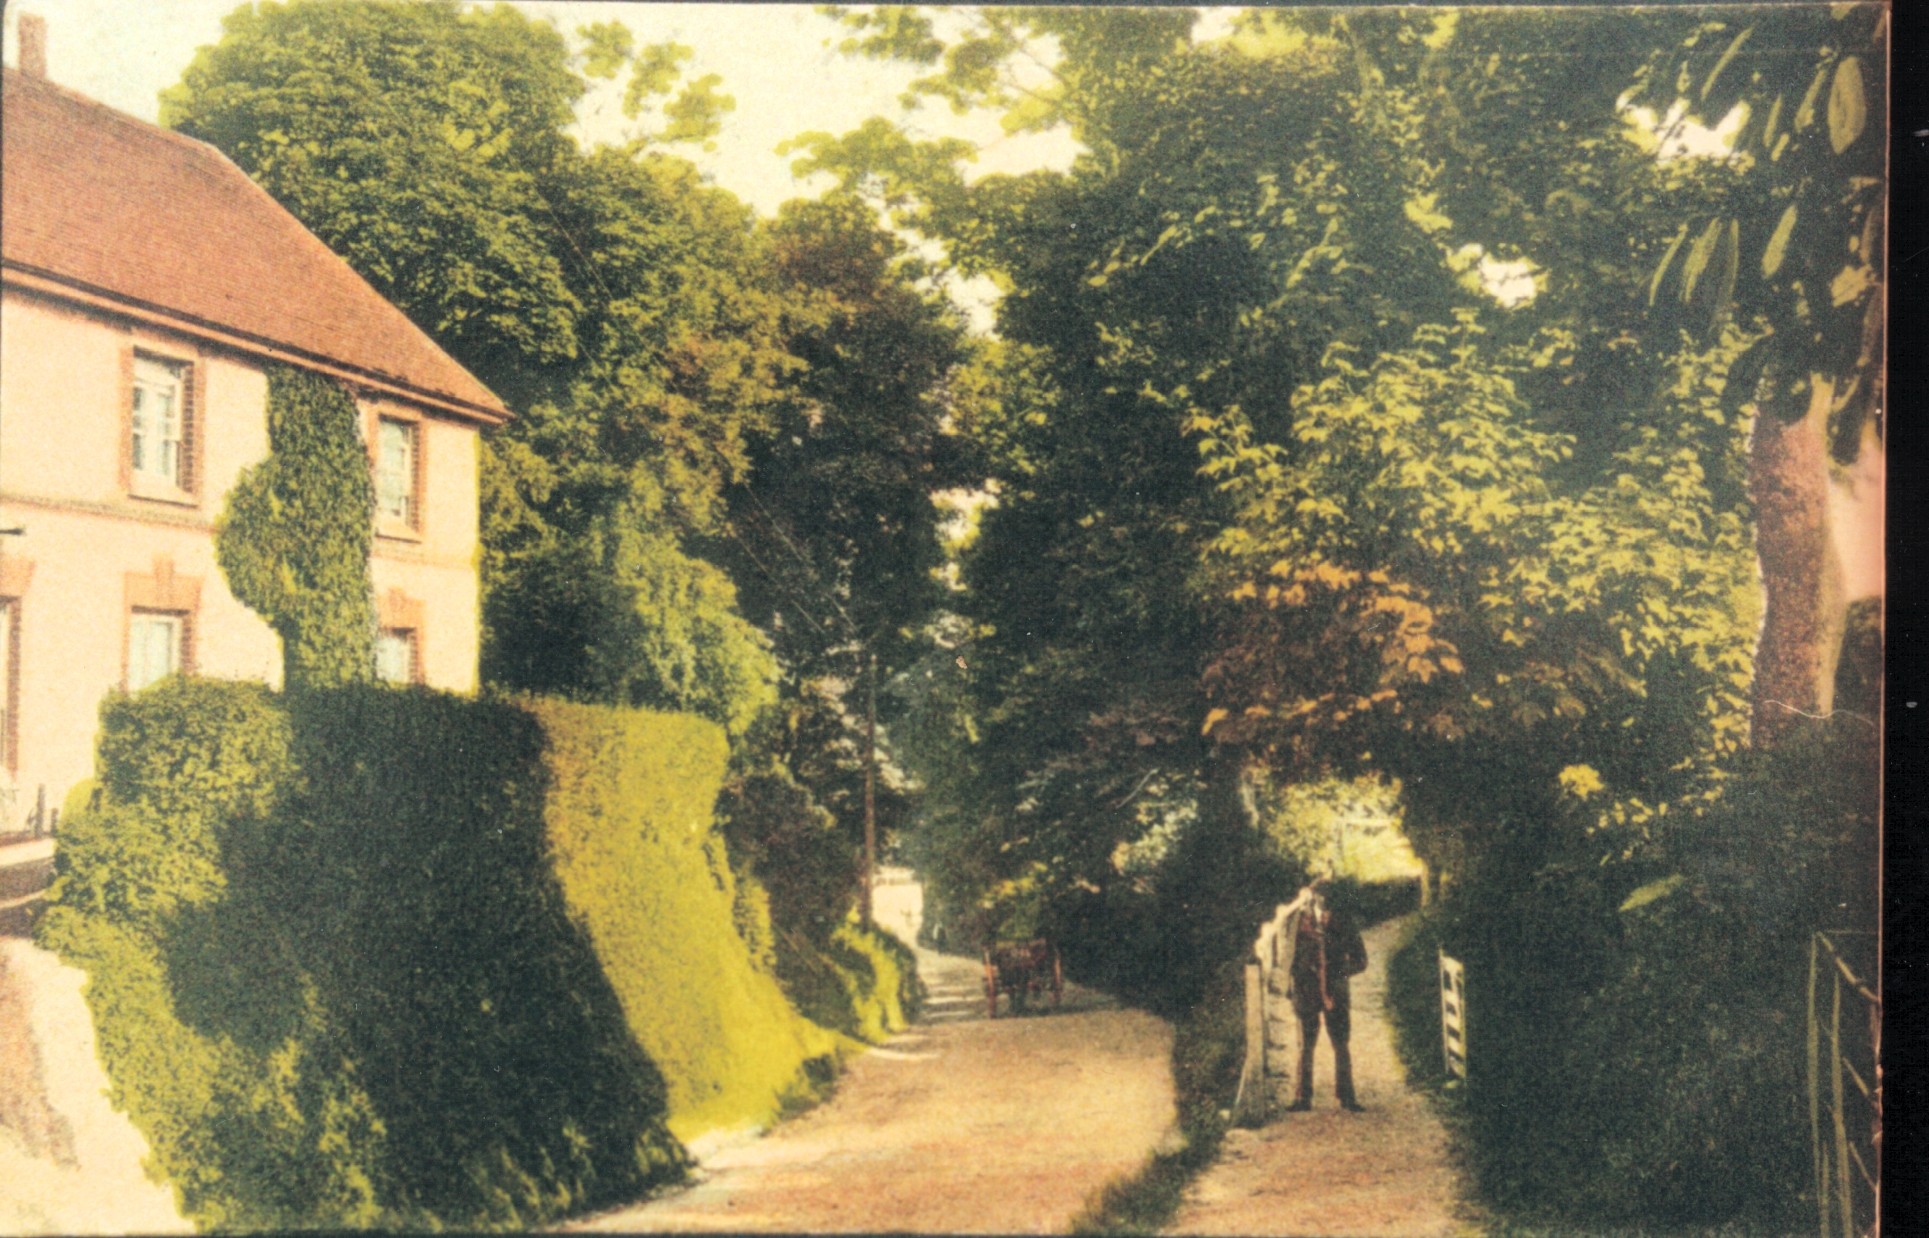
(395, 655)
(159, 446)
(398, 451)
(155, 647)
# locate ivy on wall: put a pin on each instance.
(295, 533)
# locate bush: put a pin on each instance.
(793, 846)
(1638, 1062)
(862, 982)
(653, 885)
(367, 957)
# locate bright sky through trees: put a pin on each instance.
(778, 61)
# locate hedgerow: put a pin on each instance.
(369, 957)
(653, 886)
(1638, 1062)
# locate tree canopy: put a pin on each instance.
(623, 309)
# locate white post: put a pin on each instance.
(1453, 1015)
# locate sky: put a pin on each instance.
(778, 61)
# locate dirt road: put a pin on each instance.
(964, 1125)
(1384, 1173)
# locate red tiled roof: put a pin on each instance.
(128, 212)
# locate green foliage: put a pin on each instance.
(651, 883)
(362, 957)
(794, 848)
(1425, 575)
(404, 135)
(1800, 244)
(295, 530)
(860, 982)
(625, 310)
(835, 528)
(1640, 1061)
(620, 614)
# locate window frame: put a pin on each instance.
(183, 644)
(191, 381)
(412, 641)
(409, 527)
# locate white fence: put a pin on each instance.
(1453, 1015)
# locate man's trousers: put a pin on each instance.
(1339, 1025)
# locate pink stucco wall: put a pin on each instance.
(90, 545)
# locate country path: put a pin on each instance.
(1384, 1173)
(962, 1125)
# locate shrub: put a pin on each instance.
(792, 844)
(1638, 1062)
(862, 982)
(368, 957)
(294, 534)
(630, 831)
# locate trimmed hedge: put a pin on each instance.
(653, 885)
(861, 982)
(368, 957)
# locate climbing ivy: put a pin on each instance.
(295, 533)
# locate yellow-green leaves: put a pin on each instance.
(1848, 105)
(1422, 211)
(1713, 263)
(1777, 246)
(1661, 268)
(1581, 781)
(1652, 891)
(1714, 74)
(606, 48)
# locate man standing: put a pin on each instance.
(1327, 953)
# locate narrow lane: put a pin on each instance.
(1385, 1173)
(963, 1125)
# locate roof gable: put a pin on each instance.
(114, 206)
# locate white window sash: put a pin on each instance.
(158, 429)
(395, 655)
(153, 649)
(395, 473)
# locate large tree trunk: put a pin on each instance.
(1803, 607)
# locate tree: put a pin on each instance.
(833, 529)
(294, 533)
(1806, 85)
(620, 307)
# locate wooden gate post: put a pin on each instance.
(1250, 1101)
(1453, 1015)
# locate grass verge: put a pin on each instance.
(1208, 1046)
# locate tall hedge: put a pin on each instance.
(369, 957)
(651, 882)
(294, 536)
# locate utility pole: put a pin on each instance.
(870, 784)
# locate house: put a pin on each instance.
(146, 286)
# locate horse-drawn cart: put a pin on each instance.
(1022, 970)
